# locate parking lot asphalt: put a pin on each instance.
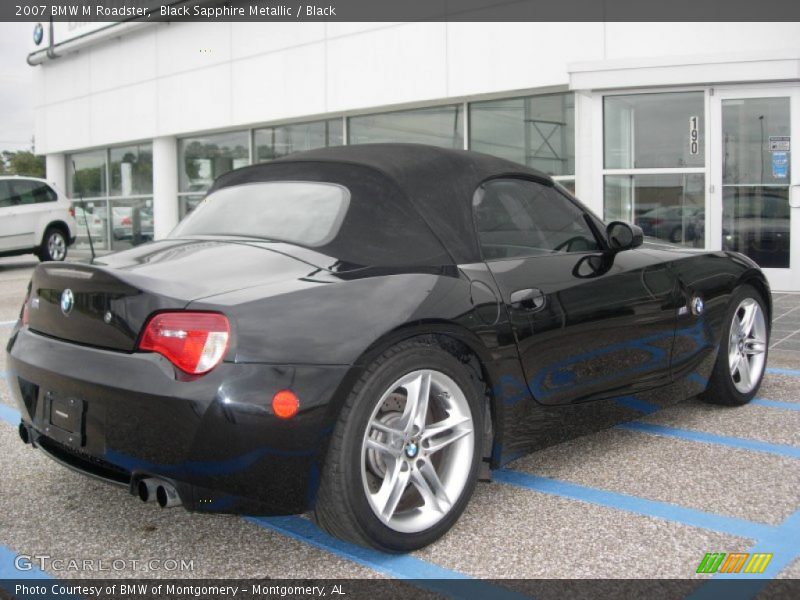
(642, 500)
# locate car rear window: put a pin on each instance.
(300, 212)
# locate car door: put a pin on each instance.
(588, 324)
(35, 200)
(9, 236)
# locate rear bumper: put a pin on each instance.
(215, 438)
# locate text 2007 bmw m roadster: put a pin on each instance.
(367, 331)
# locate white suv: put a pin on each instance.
(34, 217)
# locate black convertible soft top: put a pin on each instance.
(437, 184)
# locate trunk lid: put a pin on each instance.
(109, 302)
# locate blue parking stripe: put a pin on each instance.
(710, 438)
(635, 504)
(9, 415)
(9, 573)
(777, 371)
(647, 408)
(400, 566)
(8, 570)
(776, 404)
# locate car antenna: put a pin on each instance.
(85, 218)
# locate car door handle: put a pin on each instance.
(528, 299)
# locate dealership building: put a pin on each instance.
(684, 128)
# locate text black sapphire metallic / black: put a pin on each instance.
(365, 331)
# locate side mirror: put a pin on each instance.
(623, 236)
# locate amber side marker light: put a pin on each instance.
(285, 404)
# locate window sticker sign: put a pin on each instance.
(694, 136)
(780, 165)
(780, 143)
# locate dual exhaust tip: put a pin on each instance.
(163, 492)
(148, 489)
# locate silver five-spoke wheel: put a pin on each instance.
(56, 245)
(747, 345)
(417, 451)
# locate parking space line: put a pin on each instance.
(399, 566)
(647, 408)
(10, 415)
(778, 371)
(776, 404)
(635, 504)
(8, 571)
(710, 438)
(7, 323)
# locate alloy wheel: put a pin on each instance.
(417, 451)
(747, 345)
(56, 246)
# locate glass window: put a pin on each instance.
(537, 131)
(516, 217)
(131, 222)
(305, 213)
(203, 159)
(752, 127)
(188, 202)
(756, 173)
(23, 191)
(88, 177)
(668, 206)
(654, 130)
(91, 217)
(132, 170)
(437, 126)
(282, 140)
(5, 194)
(755, 221)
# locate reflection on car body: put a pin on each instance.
(364, 331)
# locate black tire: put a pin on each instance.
(721, 388)
(54, 245)
(676, 235)
(342, 507)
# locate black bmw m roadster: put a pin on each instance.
(366, 331)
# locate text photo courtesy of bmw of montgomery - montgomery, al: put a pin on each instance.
(424, 300)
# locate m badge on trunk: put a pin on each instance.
(67, 301)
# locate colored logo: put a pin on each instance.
(735, 562)
(38, 34)
(67, 301)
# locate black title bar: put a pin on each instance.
(400, 10)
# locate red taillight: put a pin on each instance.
(72, 211)
(285, 404)
(195, 342)
(126, 220)
(657, 221)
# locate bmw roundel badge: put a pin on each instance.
(67, 301)
(38, 34)
(697, 306)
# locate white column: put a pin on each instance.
(56, 170)
(586, 133)
(165, 185)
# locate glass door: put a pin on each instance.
(755, 196)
